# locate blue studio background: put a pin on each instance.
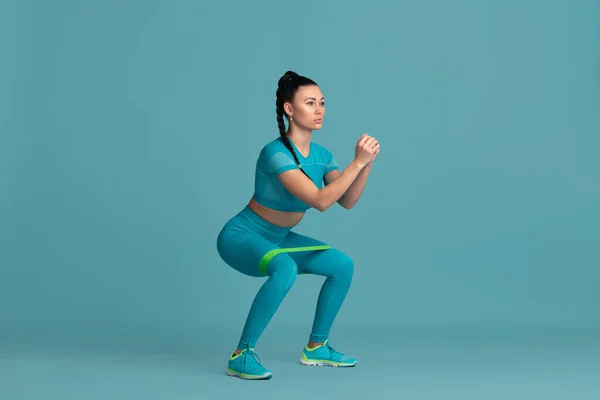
(129, 132)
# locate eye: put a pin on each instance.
(310, 103)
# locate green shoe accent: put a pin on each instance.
(247, 365)
(325, 355)
(242, 375)
(264, 261)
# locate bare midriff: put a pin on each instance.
(276, 217)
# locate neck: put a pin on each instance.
(301, 138)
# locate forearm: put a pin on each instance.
(336, 189)
(350, 198)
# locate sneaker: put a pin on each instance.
(247, 365)
(325, 355)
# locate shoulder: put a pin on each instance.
(322, 151)
(275, 158)
(323, 155)
(272, 147)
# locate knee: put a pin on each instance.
(284, 269)
(344, 266)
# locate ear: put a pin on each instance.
(288, 109)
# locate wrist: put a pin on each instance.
(359, 164)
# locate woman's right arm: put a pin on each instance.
(303, 188)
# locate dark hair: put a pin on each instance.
(287, 87)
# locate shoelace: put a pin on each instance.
(333, 352)
(255, 357)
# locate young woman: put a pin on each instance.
(293, 174)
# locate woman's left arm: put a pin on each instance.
(350, 198)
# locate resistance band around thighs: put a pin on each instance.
(264, 261)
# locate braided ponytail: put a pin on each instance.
(286, 89)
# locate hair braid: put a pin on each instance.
(287, 87)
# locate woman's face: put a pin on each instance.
(308, 107)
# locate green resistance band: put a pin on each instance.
(264, 262)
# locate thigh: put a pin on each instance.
(244, 250)
(316, 257)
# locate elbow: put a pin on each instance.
(346, 204)
(324, 207)
(321, 207)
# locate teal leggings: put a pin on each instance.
(255, 247)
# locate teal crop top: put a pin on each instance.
(274, 159)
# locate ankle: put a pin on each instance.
(312, 345)
(236, 352)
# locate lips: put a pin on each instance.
(318, 121)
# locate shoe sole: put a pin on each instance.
(325, 363)
(241, 375)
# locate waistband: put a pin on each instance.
(253, 221)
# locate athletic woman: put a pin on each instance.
(294, 174)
